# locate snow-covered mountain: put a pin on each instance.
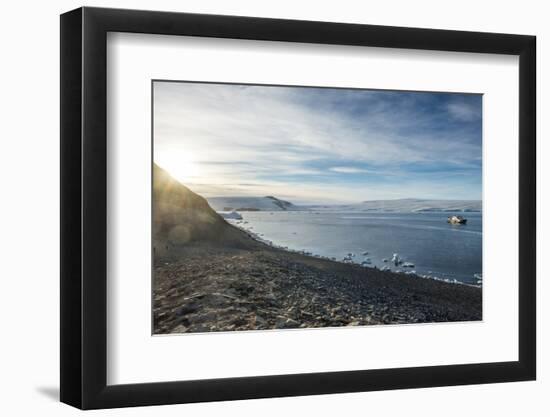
(407, 205)
(268, 203)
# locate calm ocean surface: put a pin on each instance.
(436, 248)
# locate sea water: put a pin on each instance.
(436, 248)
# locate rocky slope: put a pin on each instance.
(181, 217)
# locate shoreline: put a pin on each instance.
(410, 274)
(202, 287)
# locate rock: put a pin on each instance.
(179, 329)
(285, 322)
(280, 322)
(291, 323)
(186, 309)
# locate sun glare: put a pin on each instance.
(181, 166)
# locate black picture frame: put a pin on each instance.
(84, 207)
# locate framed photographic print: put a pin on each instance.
(257, 207)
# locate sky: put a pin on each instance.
(318, 145)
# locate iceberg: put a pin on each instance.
(396, 259)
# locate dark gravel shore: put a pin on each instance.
(203, 288)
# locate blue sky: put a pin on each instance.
(316, 145)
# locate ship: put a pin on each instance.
(456, 220)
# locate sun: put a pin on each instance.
(182, 166)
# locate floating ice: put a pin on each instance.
(396, 259)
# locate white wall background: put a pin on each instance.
(29, 237)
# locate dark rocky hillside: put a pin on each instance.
(181, 217)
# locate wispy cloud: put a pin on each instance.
(306, 142)
(350, 170)
(467, 111)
